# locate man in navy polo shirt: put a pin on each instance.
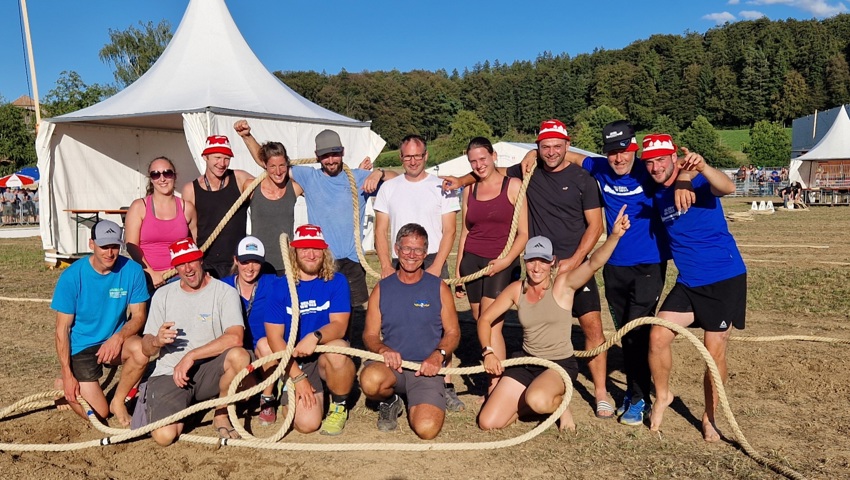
(711, 289)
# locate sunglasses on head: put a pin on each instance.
(168, 174)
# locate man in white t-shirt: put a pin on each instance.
(418, 197)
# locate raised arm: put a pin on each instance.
(244, 130)
(720, 183)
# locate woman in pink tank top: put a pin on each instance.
(157, 220)
(486, 213)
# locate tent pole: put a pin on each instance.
(31, 62)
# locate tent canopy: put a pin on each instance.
(509, 153)
(835, 145)
(205, 80)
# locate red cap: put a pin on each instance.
(553, 129)
(217, 144)
(308, 236)
(184, 251)
(657, 145)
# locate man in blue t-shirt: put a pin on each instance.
(325, 309)
(329, 205)
(91, 299)
(711, 289)
(411, 317)
(634, 276)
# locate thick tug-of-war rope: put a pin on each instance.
(117, 435)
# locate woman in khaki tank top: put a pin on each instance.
(544, 301)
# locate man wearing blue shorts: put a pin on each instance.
(711, 289)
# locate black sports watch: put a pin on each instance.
(318, 335)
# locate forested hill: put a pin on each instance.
(734, 75)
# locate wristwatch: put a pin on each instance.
(383, 174)
(486, 351)
(318, 335)
(442, 352)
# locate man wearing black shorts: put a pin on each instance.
(711, 289)
(564, 205)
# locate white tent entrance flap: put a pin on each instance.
(96, 158)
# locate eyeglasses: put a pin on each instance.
(410, 158)
(168, 174)
(415, 250)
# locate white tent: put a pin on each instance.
(835, 145)
(206, 79)
(509, 153)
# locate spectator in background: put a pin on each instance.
(783, 174)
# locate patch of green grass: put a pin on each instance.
(734, 140)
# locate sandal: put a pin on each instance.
(228, 433)
(605, 410)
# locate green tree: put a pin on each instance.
(17, 140)
(794, 99)
(466, 126)
(769, 145)
(838, 80)
(133, 51)
(665, 124)
(701, 138)
(587, 133)
(71, 94)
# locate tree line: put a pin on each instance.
(732, 76)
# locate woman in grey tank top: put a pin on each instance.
(273, 203)
(544, 300)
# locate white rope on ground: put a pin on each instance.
(430, 446)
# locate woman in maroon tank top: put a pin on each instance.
(162, 178)
(487, 210)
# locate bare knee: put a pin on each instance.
(166, 435)
(660, 338)
(426, 421)
(540, 402)
(373, 379)
(236, 359)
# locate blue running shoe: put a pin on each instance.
(634, 414)
(627, 400)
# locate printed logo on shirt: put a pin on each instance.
(421, 304)
(621, 190)
(669, 214)
(117, 292)
(309, 306)
(205, 317)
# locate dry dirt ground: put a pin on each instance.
(790, 398)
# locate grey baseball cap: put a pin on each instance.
(106, 232)
(327, 141)
(538, 247)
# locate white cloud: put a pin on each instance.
(734, 2)
(719, 18)
(750, 14)
(818, 8)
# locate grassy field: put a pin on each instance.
(790, 398)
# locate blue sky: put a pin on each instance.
(375, 34)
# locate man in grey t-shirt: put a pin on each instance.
(195, 330)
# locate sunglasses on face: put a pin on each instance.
(168, 174)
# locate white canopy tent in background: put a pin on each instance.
(835, 145)
(205, 80)
(509, 153)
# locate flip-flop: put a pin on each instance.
(604, 410)
(228, 433)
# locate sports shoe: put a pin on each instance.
(634, 414)
(627, 401)
(388, 414)
(268, 410)
(453, 403)
(334, 422)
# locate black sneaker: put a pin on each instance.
(388, 414)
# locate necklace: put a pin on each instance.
(251, 300)
(220, 185)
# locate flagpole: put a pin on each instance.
(31, 62)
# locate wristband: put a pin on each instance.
(299, 378)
